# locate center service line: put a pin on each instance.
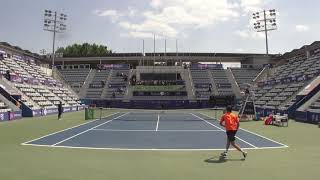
(158, 122)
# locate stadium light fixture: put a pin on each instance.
(54, 22)
(265, 21)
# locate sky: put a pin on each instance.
(216, 26)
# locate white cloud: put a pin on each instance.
(113, 14)
(302, 28)
(132, 11)
(137, 34)
(251, 5)
(240, 50)
(150, 27)
(168, 17)
(246, 34)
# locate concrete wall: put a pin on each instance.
(158, 69)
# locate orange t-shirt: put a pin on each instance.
(231, 121)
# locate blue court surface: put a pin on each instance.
(156, 130)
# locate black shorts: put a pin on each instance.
(231, 135)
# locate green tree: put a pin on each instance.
(84, 50)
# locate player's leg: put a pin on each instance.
(228, 145)
(59, 116)
(232, 142)
(236, 146)
(225, 153)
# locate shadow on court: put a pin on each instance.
(217, 160)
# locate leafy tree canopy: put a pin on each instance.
(84, 50)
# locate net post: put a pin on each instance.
(215, 113)
(100, 113)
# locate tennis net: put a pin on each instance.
(153, 115)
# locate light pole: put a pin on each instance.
(265, 21)
(54, 22)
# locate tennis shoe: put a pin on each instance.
(225, 153)
(244, 155)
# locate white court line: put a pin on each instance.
(146, 130)
(146, 149)
(89, 129)
(158, 122)
(68, 128)
(255, 134)
(223, 130)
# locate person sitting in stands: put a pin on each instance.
(247, 91)
(8, 75)
(113, 95)
(119, 90)
(18, 103)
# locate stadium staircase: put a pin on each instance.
(214, 86)
(129, 93)
(74, 76)
(105, 88)
(263, 75)
(189, 84)
(221, 82)
(314, 100)
(97, 85)
(6, 105)
(116, 82)
(233, 82)
(85, 86)
(57, 75)
(10, 87)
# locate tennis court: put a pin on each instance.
(152, 130)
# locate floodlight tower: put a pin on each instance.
(265, 21)
(54, 22)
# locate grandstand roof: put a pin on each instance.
(18, 50)
(184, 56)
(302, 51)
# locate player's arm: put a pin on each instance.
(222, 123)
(238, 123)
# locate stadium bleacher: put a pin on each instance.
(117, 86)
(4, 107)
(75, 77)
(221, 82)
(281, 95)
(37, 89)
(97, 85)
(244, 76)
(202, 83)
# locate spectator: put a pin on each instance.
(119, 90)
(8, 75)
(247, 91)
(113, 95)
(103, 83)
(60, 110)
(18, 103)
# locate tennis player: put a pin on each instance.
(231, 123)
(60, 110)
